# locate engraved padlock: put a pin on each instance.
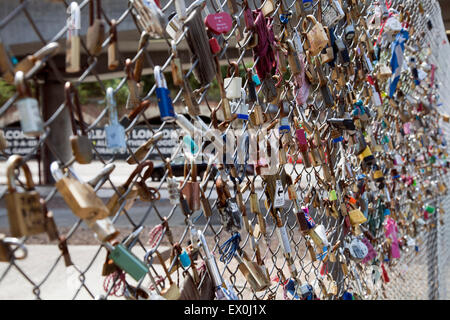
(115, 132)
(25, 212)
(79, 196)
(165, 105)
(81, 145)
(30, 116)
(233, 82)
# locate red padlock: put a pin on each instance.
(219, 23)
(214, 45)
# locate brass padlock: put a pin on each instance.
(191, 189)
(25, 212)
(96, 31)
(317, 36)
(79, 196)
(81, 145)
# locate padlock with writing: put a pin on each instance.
(115, 132)
(233, 82)
(332, 13)
(30, 116)
(79, 196)
(81, 145)
(25, 212)
(150, 17)
(165, 105)
(96, 31)
(73, 39)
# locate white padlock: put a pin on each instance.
(233, 83)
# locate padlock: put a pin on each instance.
(317, 36)
(242, 109)
(349, 31)
(165, 105)
(81, 145)
(228, 208)
(255, 274)
(302, 143)
(191, 189)
(73, 38)
(30, 116)
(134, 88)
(268, 8)
(117, 199)
(113, 48)
(104, 228)
(150, 17)
(141, 152)
(96, 31)
(30, 61)
(115, 132)
(172, 185)
(79, 196)
(25, 212)
(333, 13)
(293, 58)
(257, 116)
(327, 54)
(172, 292)
(271, 93)
(50, 225)
(127, 261)
(7, 253)
(342, 51)
(233, 82)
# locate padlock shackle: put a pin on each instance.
(16, 161)
(49, 50)
(138, 169)
(233, 64)
(159, 78)
(21, 85)
(91, 11)
(15, 242)
(68, 90)
(311, 18)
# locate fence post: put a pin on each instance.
(52, 95)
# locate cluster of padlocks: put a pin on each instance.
(336, 116)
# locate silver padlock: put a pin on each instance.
(115, 132)
(30, 116)
(233, 83)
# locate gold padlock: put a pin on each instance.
(25, 212)
(79, 196)
(7, 252)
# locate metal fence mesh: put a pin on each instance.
(420, 273)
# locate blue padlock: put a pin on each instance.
(163, 94)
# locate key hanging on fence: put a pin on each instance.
(30, 115)
(81, 145)
(73, 38)
(96, 31)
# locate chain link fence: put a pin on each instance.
(288, 259)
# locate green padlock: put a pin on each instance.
(430, 209)
(332, 195)
(127, 261)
